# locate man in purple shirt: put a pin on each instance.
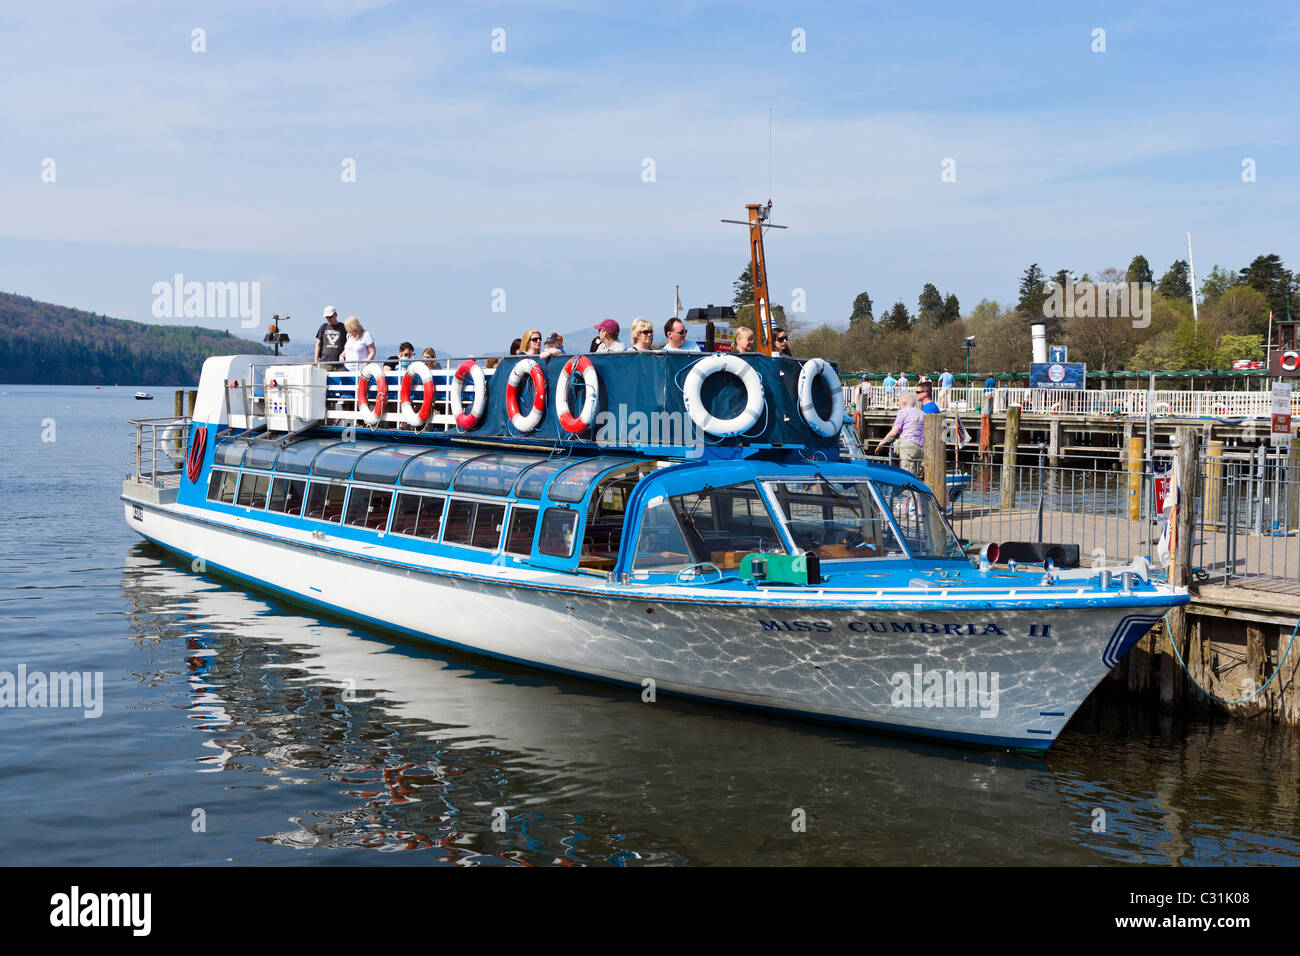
(909, 429)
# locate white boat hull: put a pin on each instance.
(995, 676)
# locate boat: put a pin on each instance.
(676, 523)
(141, 396)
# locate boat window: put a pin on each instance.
(337, 462)
(418, 515)
(297, 457)
(572, 484)
(603, 533)
(252, 490)
(925, 530)
(221, 486)
(488, 523)
(261, 454)
(535, 478)
(558, 528)
(434, 469)
(325, 501)
(385, 464)
(230, 451)
(368, 508)
(661, 546)
(523, 523)
(287, 495)
(474, 523)
(837, 519)
(492, 474)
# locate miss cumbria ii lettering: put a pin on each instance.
(902, 627)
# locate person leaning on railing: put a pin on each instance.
(909, 429)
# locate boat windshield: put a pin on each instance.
(837, 519)
(715, 525)
(925, 530)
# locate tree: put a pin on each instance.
(861, 309)
(930, 301)
(898, 319)
(1233, 347)
(1192, 346)
(1063, 278)
(1102, 341)
(1139, 270)
(1032, 295)
(1219, 281)
(742, 290)
(1266, 276)
(1239, 311)
(951, 309)
(1175, 284)
(937, 344)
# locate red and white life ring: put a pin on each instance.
(571, 424)
(526, 423)
(469, 420)
(1290, 361)
(194, 460)
(1163, 410)
(409, 375)
(372, 370)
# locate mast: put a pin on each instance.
(758, 214)
(1191, 272)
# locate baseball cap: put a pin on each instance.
(607, 325)
(329, 310)
(553, 337)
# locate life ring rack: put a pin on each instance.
(409, 375)
(813, 369)
(574, 424)
(734, 365)
(469, 420)
(526, 423)
(375, 371)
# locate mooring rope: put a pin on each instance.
(1277, 670)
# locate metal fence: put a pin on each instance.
(160, 448)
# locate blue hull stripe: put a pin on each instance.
(335, 610)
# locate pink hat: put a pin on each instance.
(607, 325)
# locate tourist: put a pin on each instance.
(329, 339)
(675, 329)
(554, 344)
(643, 335)
(781, 342)
(889, 382)
(902, 381)
(945, 380)
(909, 429)
(990, 383)
(925, 397)
(607, 331)
(743, 343)
(428, 354)
(595, 344)
(405, 353)
(359, 347)
(530, 344)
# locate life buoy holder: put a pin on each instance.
(734, 365)
(570, 423)
(811, 371)
(526, 423)
(469, 420)
(373, 370)
(1056, 408)
(194, 459)
(409, 375)
(1164, 409)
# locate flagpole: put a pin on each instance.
(677, 301)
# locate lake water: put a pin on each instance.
(238, 728)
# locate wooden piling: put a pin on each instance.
(194, 397)
(1054, 443)
(1186, 455)
(1213, 482)
(1136, 466)
(1010, 441)
(934, 457)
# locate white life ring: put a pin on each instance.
(372, 370)
(1163, 409)
(826, 427)
(526, 423)
(723, 362)
(1056, 408)
(469, 420)
(574, 425)
(409, 375)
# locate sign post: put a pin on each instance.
(1281, 430)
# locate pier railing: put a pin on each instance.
(1132, 403)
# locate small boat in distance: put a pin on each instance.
(144, 396)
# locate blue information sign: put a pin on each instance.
(1071, 375)
(1056, 354)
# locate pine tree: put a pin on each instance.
(930, 301)
(898, 318)
(1139, 270)
(861, 309)
(1175, 283)
(1266, 276)
(1032, 294)
(951, 309)
(742, 290)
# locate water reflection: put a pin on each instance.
(384, 747)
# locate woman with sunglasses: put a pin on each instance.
(530, 343)
(781, 342)
(643, 336)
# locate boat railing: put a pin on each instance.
(161, 445)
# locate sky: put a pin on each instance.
(579, 170)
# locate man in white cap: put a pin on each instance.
(607, 331)
(330, 339)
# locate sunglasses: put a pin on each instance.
(535, 338)
(781, 338)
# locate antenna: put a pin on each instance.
(757, 222)
(769, 157)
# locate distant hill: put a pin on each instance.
(53, 345)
